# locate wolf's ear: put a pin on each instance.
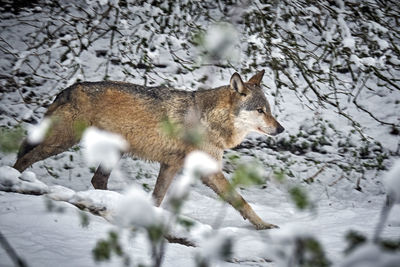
(237, 84)
(256, 79)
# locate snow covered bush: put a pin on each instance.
(392, 183)
(371, 255)
(136, 209)
(325, 51)
(364, 252)
(214, 250)
(379, 251)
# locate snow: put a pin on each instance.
(200, 163)
(221, 41)
(348, 40)
(8, 176)
(276, 53)
(214, 247)
(392, 182)
(368, 61)
(370, 255)
(12, 180)
(136, 208)
(45, 238)
(60, 193)
(37, 133)
(383, 44)
(356, 60)
(102, 148)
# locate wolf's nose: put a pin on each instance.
(280, 129)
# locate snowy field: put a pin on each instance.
(46, 236)
(52, 216)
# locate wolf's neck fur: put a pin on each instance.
(217, 108)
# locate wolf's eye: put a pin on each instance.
(260, 110)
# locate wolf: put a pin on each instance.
(223, 115)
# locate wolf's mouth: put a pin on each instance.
(264, 131)
(261, 130)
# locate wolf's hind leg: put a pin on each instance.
(224, 189)
(100, 178)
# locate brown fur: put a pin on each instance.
(137, 112)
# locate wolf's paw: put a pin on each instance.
(264, 226)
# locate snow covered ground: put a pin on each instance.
(44, 236)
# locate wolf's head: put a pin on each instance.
(253, 112)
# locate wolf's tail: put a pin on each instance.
(62, 98)
(25, 148)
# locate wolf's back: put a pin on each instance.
(64, 97)
(135, 112)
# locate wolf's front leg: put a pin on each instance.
(224, 189)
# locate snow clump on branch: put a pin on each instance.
(102, 148)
